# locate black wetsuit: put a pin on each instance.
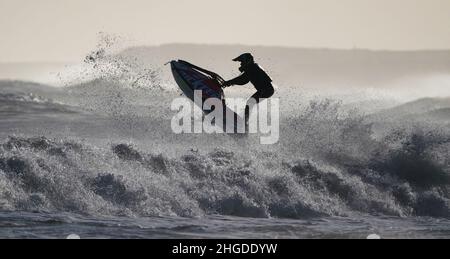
(258, 77)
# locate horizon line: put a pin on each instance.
(318, 48)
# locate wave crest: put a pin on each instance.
(46, 175)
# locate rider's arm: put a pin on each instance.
(240, 80)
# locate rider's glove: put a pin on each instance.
(226, 84)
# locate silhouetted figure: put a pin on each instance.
(252, 72)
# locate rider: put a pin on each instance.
(252, 72)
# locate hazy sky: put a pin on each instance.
(62, 30)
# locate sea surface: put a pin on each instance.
(63, 225)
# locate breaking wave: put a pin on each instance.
(23, 103)
(23, 98)
(39, 174)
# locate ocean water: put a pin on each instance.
(98, 159)
(61, 226)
